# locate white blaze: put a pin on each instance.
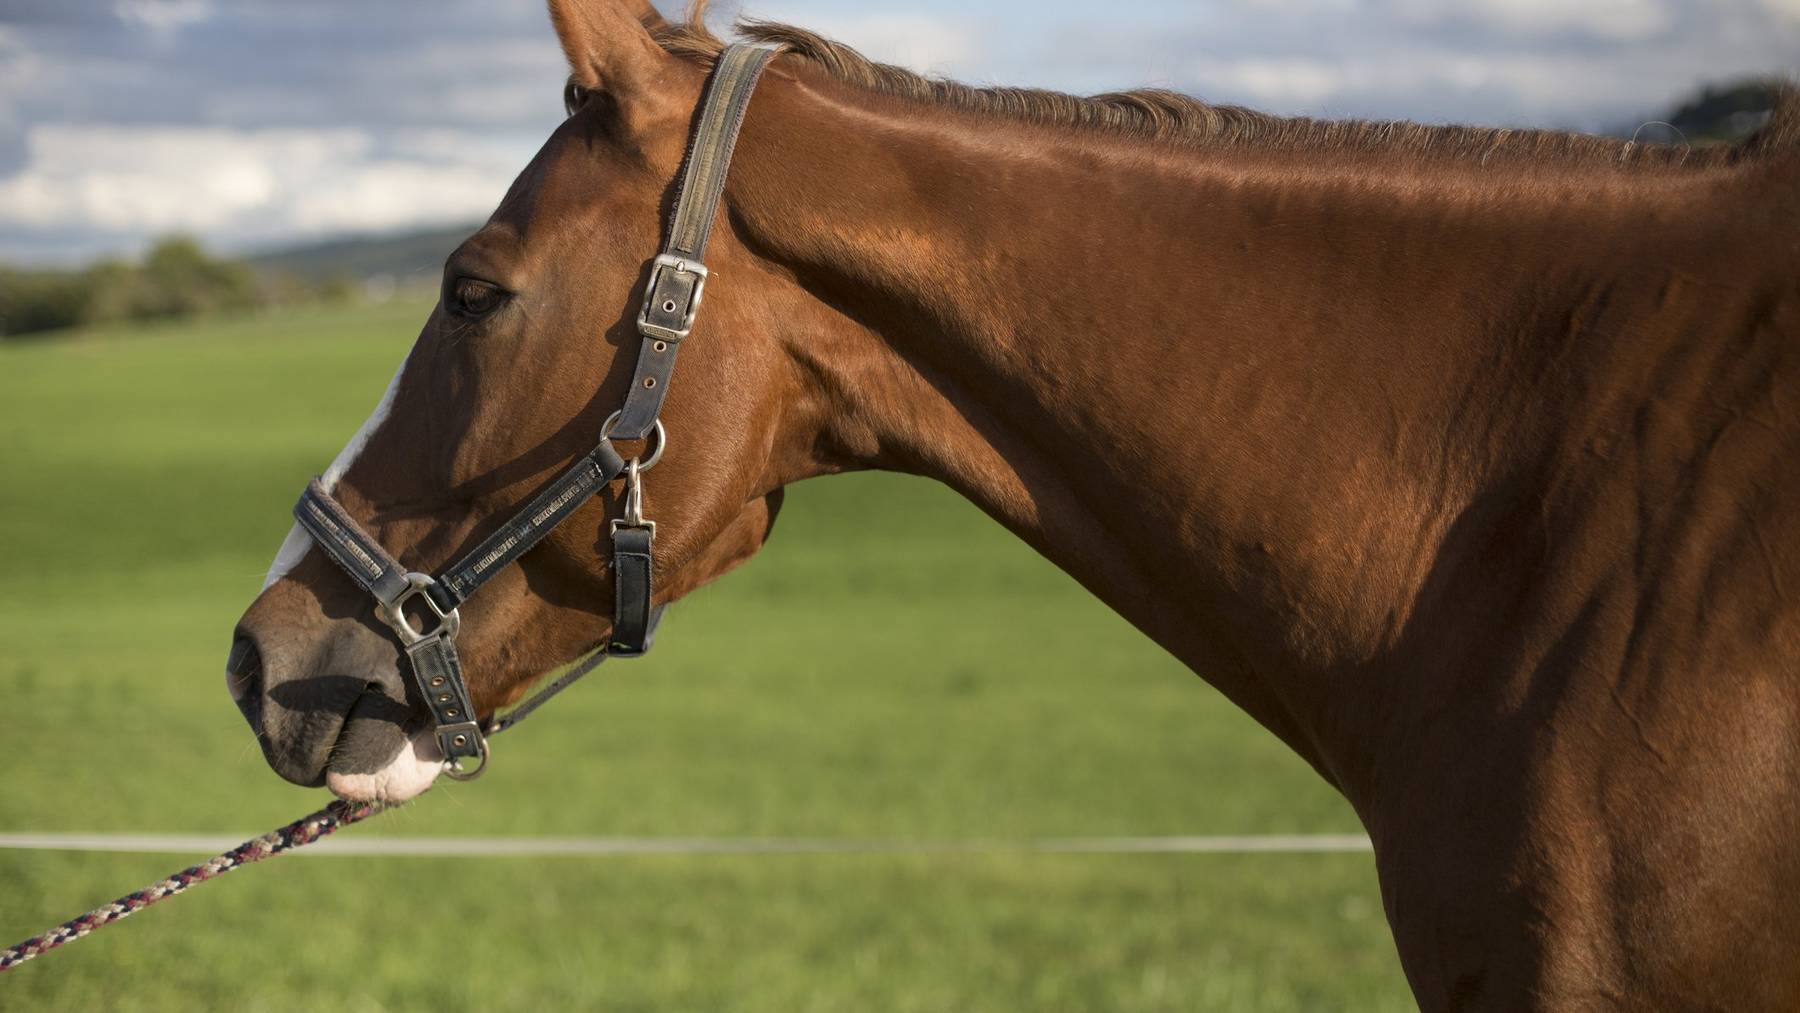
(294, 547)
(417, 763)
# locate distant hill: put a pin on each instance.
(1723, 112)
(411, 259)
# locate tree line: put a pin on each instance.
(175, 278)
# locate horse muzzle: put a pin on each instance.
(337, 708)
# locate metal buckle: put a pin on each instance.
(453, 768)
(680, 265)
(393, 613)
(634, 501)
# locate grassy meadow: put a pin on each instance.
(145, 479)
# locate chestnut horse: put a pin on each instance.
(1465, 461)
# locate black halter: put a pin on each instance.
(671, 301)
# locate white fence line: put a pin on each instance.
(473, 847)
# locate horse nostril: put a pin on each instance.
(244, 674)
(245, 661)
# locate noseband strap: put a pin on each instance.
(421, 609)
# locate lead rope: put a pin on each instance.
(298, 834)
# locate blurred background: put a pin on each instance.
(221, 224)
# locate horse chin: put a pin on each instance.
(375, 759)
(409, 769)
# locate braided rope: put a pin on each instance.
(301, 832)
(298, 834)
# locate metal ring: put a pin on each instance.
(455, 771)
(659, 439)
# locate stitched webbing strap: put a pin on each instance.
(431, 653)
(678, 278)
(703, 184)
(528, 527)
(633, 625)
(348, 545)
(438, 674)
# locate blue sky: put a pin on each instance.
(258, 122)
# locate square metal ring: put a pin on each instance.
(394, 613)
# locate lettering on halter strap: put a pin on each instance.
(536, 520)
(344, 540)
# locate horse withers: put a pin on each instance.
(1463, 460)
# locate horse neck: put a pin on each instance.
(1244, 405)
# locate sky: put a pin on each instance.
(257, 123)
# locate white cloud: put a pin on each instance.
(1300, 6)
(1787, 10)
(1621, 20)
(384, 195)
(287, 118)
(1283, 82)
(927, 43)
(19, 66)
(163, 16)
(1552, 87)
(475, 80)
(918, 41)
(241, 186)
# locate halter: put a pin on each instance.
(671, 302)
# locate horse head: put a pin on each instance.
(530, 348)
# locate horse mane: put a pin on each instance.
(1166, 117)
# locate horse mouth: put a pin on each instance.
(373, 751)
(335, 728)
(385, 767)
(352, 733)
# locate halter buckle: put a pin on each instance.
(394, 613)
(674, 309)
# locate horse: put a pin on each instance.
(1461, 459)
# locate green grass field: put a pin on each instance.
(147, 478)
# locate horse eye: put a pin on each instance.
(474, 298)
(573, 97)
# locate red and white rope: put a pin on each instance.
(301, 832)
(298, 834)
